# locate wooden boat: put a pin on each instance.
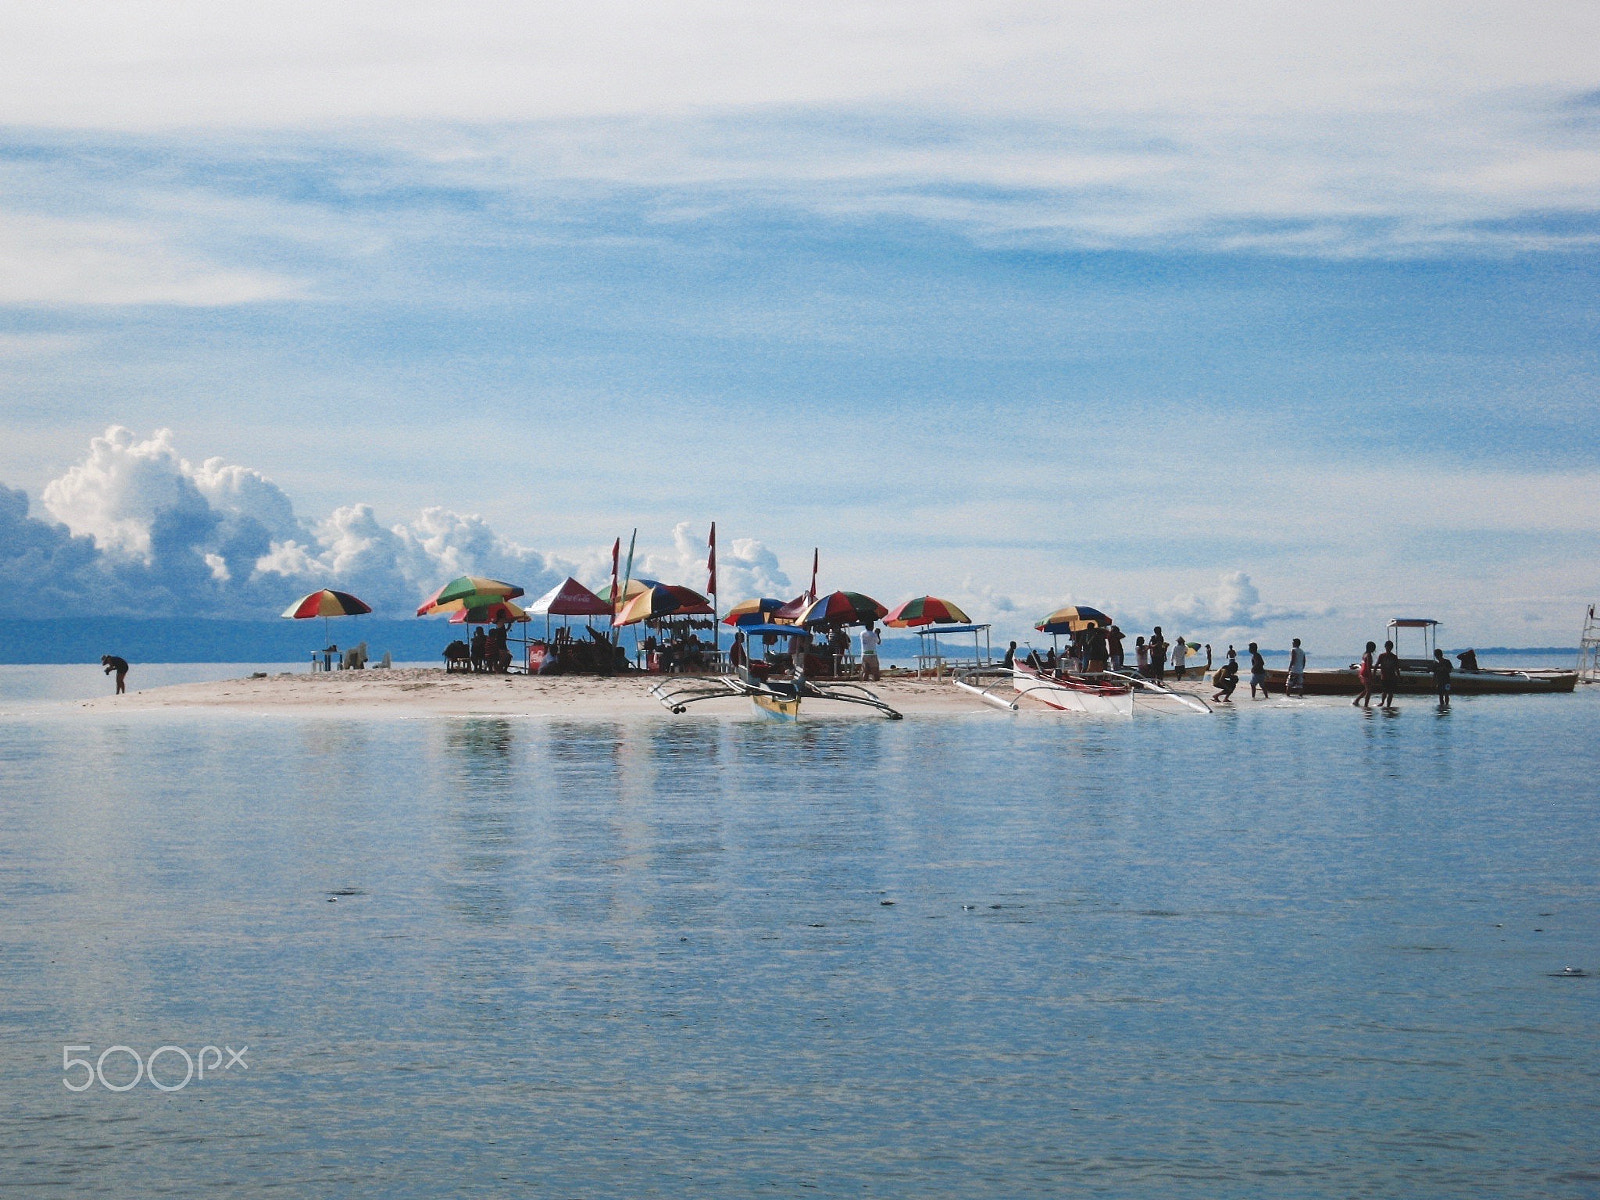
(1416, 674)
(1416, 679)
(1103, 693)
(772, 696)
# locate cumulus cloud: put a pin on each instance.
(138, 528)
(745, 566)
(1235, 603)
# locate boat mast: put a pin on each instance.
(1589, 649)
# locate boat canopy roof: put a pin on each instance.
(938, 629)
(1411, 622)
(775, 630)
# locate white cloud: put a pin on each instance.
(164, 523)
(1388, 127)
(54, 261)
(118, 492)
(1235, 604)
(746, 568)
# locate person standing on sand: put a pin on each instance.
(1388, 675)
(1180, 654)
(870, 641)
(1364, 674)
(1296, 681)
(1141, 657)
(119, 665)
(1114, 644)
(1258, 672)
(1441, 678)
(1158, 656)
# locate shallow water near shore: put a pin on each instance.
(1287, 951)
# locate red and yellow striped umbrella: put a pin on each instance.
(326, 603)
(926, 610)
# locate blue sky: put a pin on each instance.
(1220, 317)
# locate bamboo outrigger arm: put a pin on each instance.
(968, 681)
(1193, 702)
(675, 697)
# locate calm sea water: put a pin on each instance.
(1289, 950)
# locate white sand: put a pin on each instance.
(432, 691)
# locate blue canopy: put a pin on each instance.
(778, 630)
(941, 629)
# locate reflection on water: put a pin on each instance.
(1298, 952)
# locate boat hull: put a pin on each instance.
(1070, 694)
(778, 708)
(1347, 682)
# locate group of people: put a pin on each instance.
(1098, 648)
(1385, 668)
(1226, 680)
(680, 651)
(488, 650)
(836, 644)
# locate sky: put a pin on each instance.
(1250, 319)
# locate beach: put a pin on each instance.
(432, 691)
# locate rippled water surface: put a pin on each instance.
(1286, 951)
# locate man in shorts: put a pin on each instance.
(1258, 673)
(1441, 678)
(1388, 675)
(870, 641)
(1296, 683)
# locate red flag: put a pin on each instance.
(616, 553)
(711, 563)
(813, 592)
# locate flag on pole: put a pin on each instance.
(711, 588)
(616, 551)
(711, 563)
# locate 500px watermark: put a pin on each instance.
(125, 1057)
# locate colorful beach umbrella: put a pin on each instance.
(926, 610)
(1073, 619)
(753, 612)
(501, 612)
(327, 603)
(469, 591)
(843, 608)
(663, 600)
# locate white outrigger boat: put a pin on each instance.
(778, 698)
(1102, 693)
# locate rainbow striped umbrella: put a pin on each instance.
(843, 608)
(1072, 619)
(326, 603)
(469, 591)
(926, 610)
(753, 612)
(663, 600)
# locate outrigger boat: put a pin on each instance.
(778, 697)
(1105, 693)
(1416, 674)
